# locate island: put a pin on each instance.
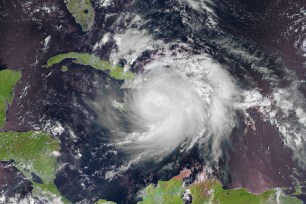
(93, 61)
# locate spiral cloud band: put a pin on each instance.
(177, 105)
(165, 110)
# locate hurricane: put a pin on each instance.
(165, 110)
(170, 108)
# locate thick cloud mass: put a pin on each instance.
(165, 111)
(178, 104)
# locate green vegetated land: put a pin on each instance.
(33, 153)
(114, 71)
(165, 192)
(104, 202)
(8, 80)
(64, 68)
(83, 13)
(210, 192)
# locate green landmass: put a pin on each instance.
(83, 13)
(104, 202)
(33, 152)
(114, 71)
(8, 80)
(64, 68)
(165, 192)
(298, 190)
(210, 192)
(122, 107)
(232, 196)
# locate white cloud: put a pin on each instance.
(180, 99)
